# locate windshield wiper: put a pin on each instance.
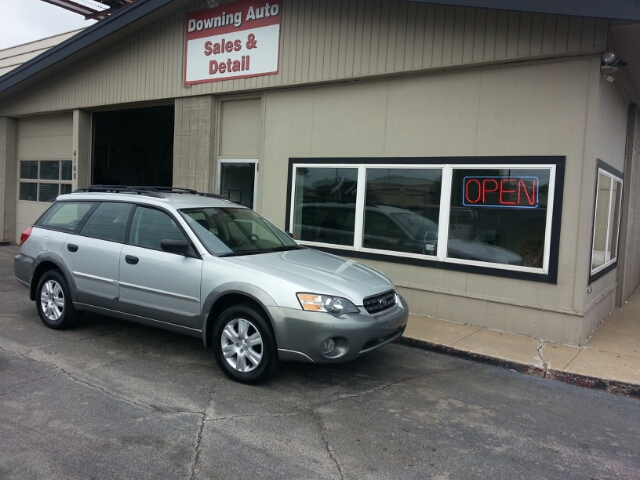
(282, 248)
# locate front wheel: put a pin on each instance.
(53, 301)
(244, 344)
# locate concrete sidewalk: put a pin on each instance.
(610, 360)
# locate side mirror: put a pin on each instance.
(179, 247)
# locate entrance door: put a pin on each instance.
(237, 181)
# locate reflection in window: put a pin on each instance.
(606, 222)
(325, 205)
(402, 209)
(499, 215)
(65, 215)
(108, 222)
(151, 226)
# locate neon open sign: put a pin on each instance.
(501, 192)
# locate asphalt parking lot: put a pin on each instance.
(114, 400)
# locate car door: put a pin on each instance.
(156, 284)
(92, 255)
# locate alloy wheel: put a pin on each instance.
(242, 345)
(52, 300)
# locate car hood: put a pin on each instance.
(318, 272)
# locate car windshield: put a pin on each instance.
(236, 231)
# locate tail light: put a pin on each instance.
(25, 235)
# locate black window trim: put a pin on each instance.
(602, 165)
(556, 220)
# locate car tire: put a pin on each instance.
(244, 344)
(53, 301)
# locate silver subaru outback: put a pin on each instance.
(197, 264)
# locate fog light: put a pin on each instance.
(327, 346)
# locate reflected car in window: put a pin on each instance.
(398, 230)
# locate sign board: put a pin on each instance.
(235, 40)
(501, 192)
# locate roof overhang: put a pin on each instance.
(142, 12)
(121, 22)
(607, 9)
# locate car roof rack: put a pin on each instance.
(140, 190)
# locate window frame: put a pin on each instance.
(555, 165)
(615, 176)
(248, 161)
(39, 180)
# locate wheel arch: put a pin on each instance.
(42, 268)
(229, 298)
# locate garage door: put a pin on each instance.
(44, 153)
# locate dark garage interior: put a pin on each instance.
(133, 147)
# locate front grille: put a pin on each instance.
(380, 303)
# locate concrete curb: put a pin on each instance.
(610, 386)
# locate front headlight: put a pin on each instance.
(312, 302)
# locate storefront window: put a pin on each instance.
(325, 205)
(496, 215)
(607, 221)
(402, 209)
(56, 173)
(503, 213)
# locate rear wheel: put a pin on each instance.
(244, 344)
(53, 301)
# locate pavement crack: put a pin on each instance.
(26, 355)
(380, 388)
(545, 363)
(327, 445)
(155, 408)
(9, 389)
(204, 414)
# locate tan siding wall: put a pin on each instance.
(630, 234)
(41, 138)
(8, 166)
(193, 143)
(612, 125)
(526, 110)
(240, 132)
(610, 147)
(321, 40)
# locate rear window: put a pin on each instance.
(66, 215)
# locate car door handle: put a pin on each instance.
(72, 248)
(131, 260)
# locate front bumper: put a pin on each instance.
(300, 334)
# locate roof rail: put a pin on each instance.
(151, 191)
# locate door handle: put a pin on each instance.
(72, 248)
(131, 260)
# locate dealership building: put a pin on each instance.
(486, 160)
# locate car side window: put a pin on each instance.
(151, 226)
(108, 222)
(66, 215)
